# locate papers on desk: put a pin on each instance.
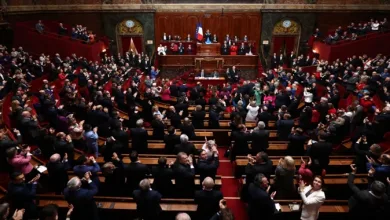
(294, 207)
(41, 169)
(277, 207)
(209, 78)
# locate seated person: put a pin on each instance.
(40, 27)
(189, 49)
(214, 38)
(233, 49)
(174, 48)
(161, 50)
(215, 74)
(62, 30)
(202, 74)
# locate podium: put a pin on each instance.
(208, 49)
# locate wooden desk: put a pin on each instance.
(206, 81)
(208, 49)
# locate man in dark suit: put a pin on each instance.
(234, 74)
(82, 198)
(207, 35)
(148, 201)
(139, 137)
(214, 117)
(320, 150)
(274, 61)
(87, 165)
(6, 143)
(207, 166)
(198, 117)
(120, 136)
(171, 140)
(182, 105)
(22, 195)
(284, 127)
(135, 172)
(174, 116)
(240, 138)
(163, 176)
(181, 48)
(225, 49)
(258, 197)
(207, 199)
(57, 169)
(173, 89)
(259, 164)
(158, 127)
(184, 174)
(114, 175)
(367, 204)
(63, 145)
(242, 50)
(259, 138)
(185, 146)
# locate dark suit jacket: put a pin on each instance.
(198, 118)
(320, 151)
(83, 202)
(252, 170)
(184, 180)
(139, 137)
(121, 137)
(135, 172)
(148, 204)
(158, 129)
(257, 197)
(58, 176)
(170, 142)
(114, 183)
(284, 128)
(240, 146)
(188, 148)
(163, 180)
(363, 205)
(208, 203)
(189, 130)
(22, 196)
(207, 168)
(296, 145)
(259, 141)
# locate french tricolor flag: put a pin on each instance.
(199, 32)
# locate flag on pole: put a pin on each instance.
(199, 32)
(132, 46)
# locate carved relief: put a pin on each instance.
(287, 27)
(130, 26)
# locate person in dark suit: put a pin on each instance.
(173, 88)
(187, 128)
(259, 138)
(6, 143)
(87, 165)
(182, 104)
(225, 49)
(207, 199)
(81, 197)
(296, 144)
(158, 127)
(171, 140)
(258, 197)
(148, 201)
(214, 117)
(264, 116)
(57, 169)
(22, 195)
(174, 116)
(207, 166)
(114, 175)
(233, 73)
(163, 176)
(120, 136)
(184, 174)
(240, 138)
(242, 50)
(259, 164)
(63, 145)
(284, 127)
(185, 146)
(62, 30)
(135, 172)
(320, 150)
(207, 35)
(139, 137)
(214, 39)
(198, 117)
(274, 61)
(367, 204)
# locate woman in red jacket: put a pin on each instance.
(367, 103)
(166, 94)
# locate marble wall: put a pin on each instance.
(110, 20)
(306, 20)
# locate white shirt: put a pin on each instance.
(311, 204)
(375, 26)
(308, 97)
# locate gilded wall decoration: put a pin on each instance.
(287, 27)
(129, 27)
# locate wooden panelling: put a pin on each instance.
(232, 23)
(174, 61)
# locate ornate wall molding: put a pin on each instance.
(194, 8)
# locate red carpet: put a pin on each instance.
(230, 186)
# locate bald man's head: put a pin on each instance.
(208, 183)
(182, 216)
(54, 158)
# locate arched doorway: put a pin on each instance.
(285, 37)
(130, 35)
